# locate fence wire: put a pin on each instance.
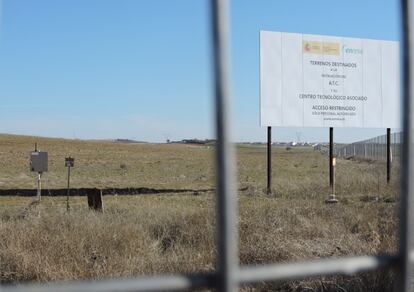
(373, 149)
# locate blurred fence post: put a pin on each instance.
(226, 205)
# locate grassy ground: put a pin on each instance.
(175, 233)
(106, 164)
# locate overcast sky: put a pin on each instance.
(141, 69)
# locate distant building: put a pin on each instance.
(317, 147)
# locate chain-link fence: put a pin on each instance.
(374, 148)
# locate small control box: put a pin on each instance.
(38, 161)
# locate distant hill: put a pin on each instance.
(128, 141)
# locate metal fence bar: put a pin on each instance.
(227, 263)
(249, 274)
(336, 266)
(155, 283)
(407, 190)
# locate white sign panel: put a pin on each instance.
(325, 81)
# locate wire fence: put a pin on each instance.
(228, 275)
(373, 149)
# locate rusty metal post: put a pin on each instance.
(332, 162)
(388, 155)
(68, 191)
(269, 160)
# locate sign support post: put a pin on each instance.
(331, 177)
(269, 160)
(69, 162)
(388, 155)
(67, 193)
(332, 162)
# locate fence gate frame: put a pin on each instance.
(229, 275)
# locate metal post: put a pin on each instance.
(226, 205)
(404, 271)
(331, 197)
(39, 186)
(68, 191)
(269, 160)
(365, 149)
(331, 157)
(388, 155)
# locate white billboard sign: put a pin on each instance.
(326, 81)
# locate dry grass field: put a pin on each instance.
(146, 234)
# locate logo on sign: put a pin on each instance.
(355, 51)
(321, 48)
